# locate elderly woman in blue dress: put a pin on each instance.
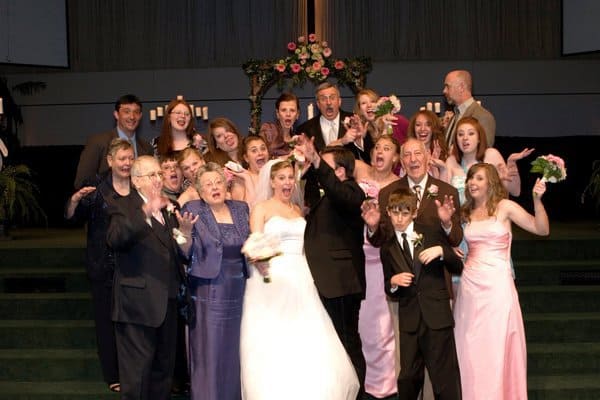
(217, 277)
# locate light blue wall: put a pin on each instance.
(537, 99)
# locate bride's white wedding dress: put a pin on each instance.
(289, 347)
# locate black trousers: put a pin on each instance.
(147, 357)
(105, 329)
(436, 350)
(343, 312)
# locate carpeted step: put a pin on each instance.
(536, 272)
(560, 249)
(564, 387)
(55, 390)
(43, 280)
(562, 327)
(559, 299)
(562, 358)
(46, 305)
(42, 257)
(32, 334)
(50, 365)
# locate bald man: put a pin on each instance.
(457, 90)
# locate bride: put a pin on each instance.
(289, 347)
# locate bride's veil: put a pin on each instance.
(264, 191)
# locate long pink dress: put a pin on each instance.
(376, 329)
(489, 332)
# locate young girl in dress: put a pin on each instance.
(489, 332)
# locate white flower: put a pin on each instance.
(416, 239)
(179, 236)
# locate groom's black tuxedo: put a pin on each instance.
(333, 241)
(425, 318)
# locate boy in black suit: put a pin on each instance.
(413, 261)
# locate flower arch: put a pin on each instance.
(309, 60)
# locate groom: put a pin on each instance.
(333, 241)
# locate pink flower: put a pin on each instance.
(326, 51)
(316, 66)
(312, 38)
(324, 44)
(295, 68)
(291, 46)
(315, 48)
(301, 39)
(325, 71)
(339, 64)
(370, 188)
(308, 69)
(280, 67)
(304, 55)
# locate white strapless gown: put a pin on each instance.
(289, 347)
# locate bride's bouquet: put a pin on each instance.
(387, 105)
(551, 167)
(261, 248)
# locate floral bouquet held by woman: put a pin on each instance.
(387, 105)
(551, 167)
(260, 248)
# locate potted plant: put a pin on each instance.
(18, 198)
(592, 189)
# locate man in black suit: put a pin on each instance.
(333, 241)
(147, 277)
(128, 113)
(414, 260)
(328, 129)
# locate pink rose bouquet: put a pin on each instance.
(551, 167)
(387, 105)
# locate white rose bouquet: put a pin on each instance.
(261, 248)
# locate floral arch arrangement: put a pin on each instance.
(309, 60)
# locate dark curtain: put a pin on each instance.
(114, 35)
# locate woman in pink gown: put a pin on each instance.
(489, 332)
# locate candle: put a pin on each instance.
(437, 107)
(1, 106)
(479, 102)
(152, 115)
(199, 112)
(192, 109)
(422, 108)
(160, 111)
(310, 111)
(179, 97)
(205, 113)
(429, 106)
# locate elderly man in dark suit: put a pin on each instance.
(328, 129)
(333, 241)
(147, 277)
(128, 113)
(437, 200)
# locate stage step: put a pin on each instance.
(75, 305)
(564, 387)
(548, 272)
(44, 364)
(562, 358)
(562, 327)
(559, 299)
(35, 280)
(56, 390)
(49, 334)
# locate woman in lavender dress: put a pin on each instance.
(217, 275)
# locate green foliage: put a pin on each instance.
(18, 196)
(593, 188)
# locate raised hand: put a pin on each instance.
(186, 222)
(514, 157)
(431, 253)
(370, 214)
(446, 210)
(539, 188)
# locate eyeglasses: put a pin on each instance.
(153, 175)
(182, 113)
(331, 97)
(210, 184)
(169, 167)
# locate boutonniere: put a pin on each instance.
(417, 239)
(170, 208)
(179, 237)
(432, 191)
